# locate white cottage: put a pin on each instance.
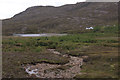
(89, 28)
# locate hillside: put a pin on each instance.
(64, 19)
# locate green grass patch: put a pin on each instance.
(100, 46)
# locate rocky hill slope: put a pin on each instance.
(63, 19)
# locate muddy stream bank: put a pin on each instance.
(46, 70)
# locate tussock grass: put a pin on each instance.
(101, 51)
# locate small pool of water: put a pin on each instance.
(39, 35)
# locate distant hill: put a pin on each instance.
(63, 19)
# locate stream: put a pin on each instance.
(46, 70)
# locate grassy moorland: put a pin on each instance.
(100, 45)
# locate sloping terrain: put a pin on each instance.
(64, 19)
